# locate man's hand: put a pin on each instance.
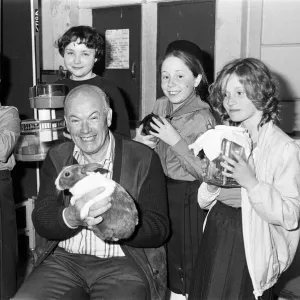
(72, 212)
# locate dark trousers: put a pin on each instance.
(221, 271)
(8, 238)
(186, 230)
(67, 276)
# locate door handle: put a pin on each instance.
(133, 71)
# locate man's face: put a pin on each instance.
(88, 122)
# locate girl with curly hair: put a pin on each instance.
(252, 232)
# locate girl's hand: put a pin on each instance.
(165, 131)
(204, 166)
(242, 171)
(149, 140)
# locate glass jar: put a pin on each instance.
(214, 169)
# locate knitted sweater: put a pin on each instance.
(137, 168)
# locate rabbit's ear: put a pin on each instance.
(93, 167)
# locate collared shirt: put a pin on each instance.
(85, 241)
(191, 120)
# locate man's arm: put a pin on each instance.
(154, 226)
(47, 215)
(52, 217)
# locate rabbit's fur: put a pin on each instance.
(120, 219)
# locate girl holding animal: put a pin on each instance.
(184, 116)
(251, 233)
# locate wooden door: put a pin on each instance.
(187, 20)
(128, 79)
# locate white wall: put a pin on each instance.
(266, 29)
(57, 17)
(280, 49)
(269, 30)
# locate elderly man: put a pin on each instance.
(82, 266)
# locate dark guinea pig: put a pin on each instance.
(120, 219)
(146, 123)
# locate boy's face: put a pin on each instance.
(79, 60)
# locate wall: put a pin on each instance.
(243, 28)
(269, 30)
(280, 48)
(66, 13)
(60, 15)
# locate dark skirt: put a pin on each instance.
(221, 271)
(8, 238)
(186, 231)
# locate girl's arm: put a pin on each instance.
(207, 195)
(278, 203)
(189, 162)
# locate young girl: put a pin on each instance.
(252, 232)
(82, 47)
(184, 117)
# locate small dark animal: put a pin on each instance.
(146, 123)
(120, 219)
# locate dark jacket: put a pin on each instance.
(137, 168)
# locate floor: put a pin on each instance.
(23, 258)
(288, 287)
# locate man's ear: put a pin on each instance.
(66, 121)
(109, 117)
(197, 80)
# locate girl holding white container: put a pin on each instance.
(252, 232)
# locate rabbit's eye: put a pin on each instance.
(67, 174)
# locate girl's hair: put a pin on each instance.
(260, 87)
(195, 66)
(86, 35)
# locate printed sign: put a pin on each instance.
(36, 20)
(117, 49)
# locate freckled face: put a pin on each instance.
(177, 80)
(236, 103)
(79, 60)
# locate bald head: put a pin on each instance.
(88, 93)
(88, 118)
